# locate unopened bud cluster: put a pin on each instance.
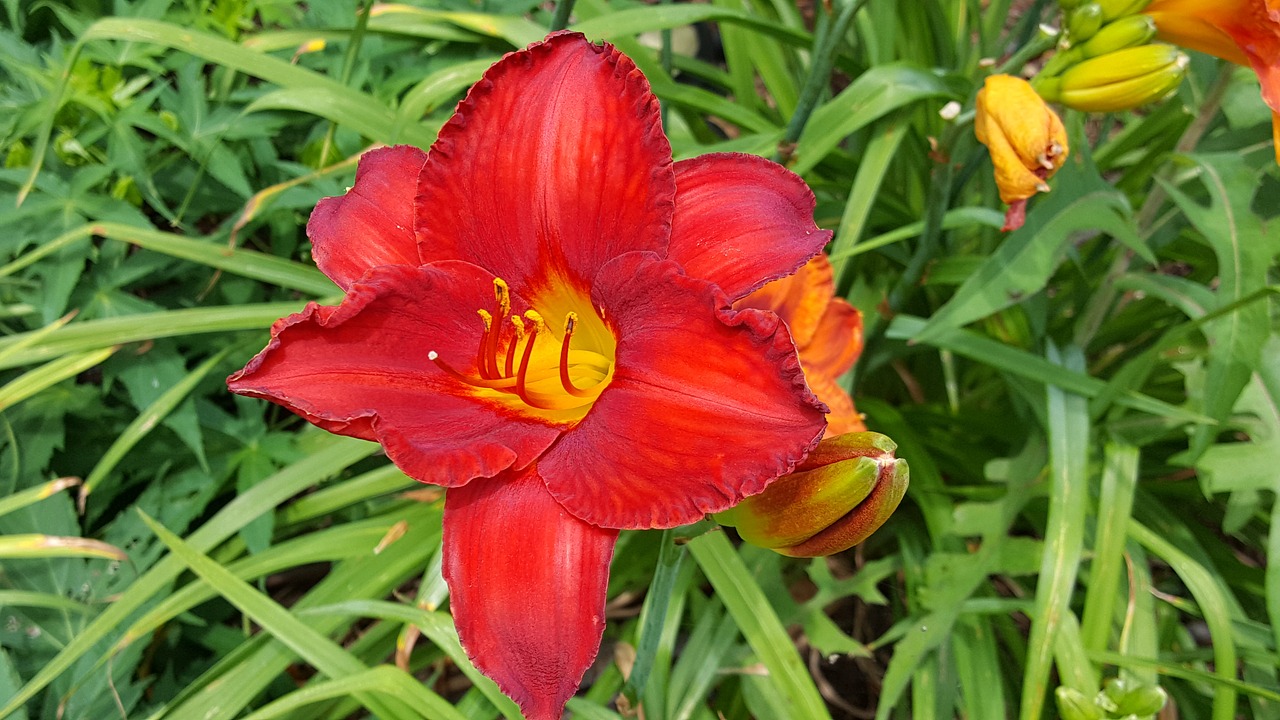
(1107, 62)
(1119, 699)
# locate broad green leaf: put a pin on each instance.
(1239, 240)
(1027, 258)
(147, 421)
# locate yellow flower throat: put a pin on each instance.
(513, 367)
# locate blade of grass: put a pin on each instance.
(1003, 357)
(94, 335)
(1115, 508)
(758, 623)
(1213, 605)
(239, 512)
(1216, 680)
(35, 545)
(30, 496)
(876, 160)
(436, 626)
(50, 374)
(316, 649)
(1068, 432)
(654, 612)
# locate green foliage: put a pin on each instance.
(1090, 405)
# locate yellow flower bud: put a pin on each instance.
(844, 491)
(1025, 138)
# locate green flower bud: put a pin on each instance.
(844, 491)
(1112, 9)
(1120, 80)
(1123, 698)
(1123, 33)
(1073, 705)
(1084, 21)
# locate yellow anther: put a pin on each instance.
(533, 317)
(487, 318)
(570, 322)
(503, 295)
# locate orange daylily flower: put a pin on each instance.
(827, 331)
(1026, 140)
(1245, 32)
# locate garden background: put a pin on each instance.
(1090, 405)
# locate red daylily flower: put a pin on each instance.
(827, 331)
(538, 317)
(1245, 32)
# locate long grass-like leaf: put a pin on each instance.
(759, 624)
(235, 515)
(313, 647)
(1068, 431)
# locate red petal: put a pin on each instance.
(527, 582)
(741, 221)
(706, 405)
(554, 164)
(362, 369)
(372, 224)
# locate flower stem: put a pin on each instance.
(1035, 47)
(348, 66)
(564, 9)
(826, 39)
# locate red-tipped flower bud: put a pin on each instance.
(844, 491)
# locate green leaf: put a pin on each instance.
(1068, 432)
(1025, 260)
(876, 93)
(288, 482)
(327, 657)
(1229, 225)
(95, 335)
(759, 624)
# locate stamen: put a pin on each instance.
(434, 357)
(570, 322)
(523, 376)
(518, 323)
(481, 362)
(502, 294)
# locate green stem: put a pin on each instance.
(935, 213)
(1037, 46)
(826, 40)
(564, 9)
(348, 66)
